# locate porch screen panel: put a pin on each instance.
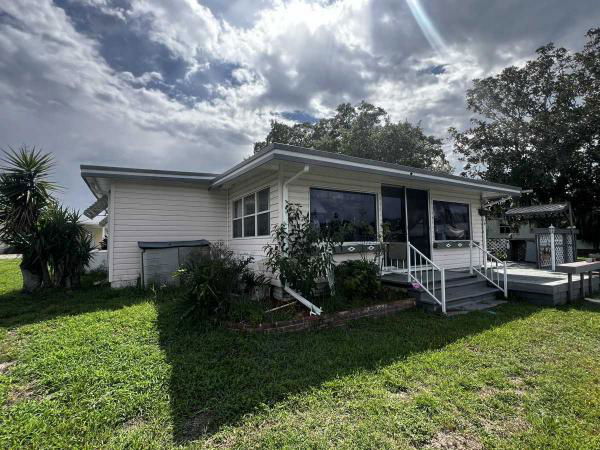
(393, 213)
(417, 219)
(352, 215)
(451, 221)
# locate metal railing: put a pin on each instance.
(422, 271)
(489, 267)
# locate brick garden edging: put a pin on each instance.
(325, 320)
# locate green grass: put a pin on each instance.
(116, 368)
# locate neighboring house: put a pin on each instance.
(96, 230)
(438, 213)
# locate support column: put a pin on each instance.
(552, 249)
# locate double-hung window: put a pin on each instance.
(251, 215)
(451, 221)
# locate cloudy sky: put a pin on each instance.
(190, 85)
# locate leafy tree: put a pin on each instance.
(538, 126)
(365, 131)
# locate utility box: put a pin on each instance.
(161, 259)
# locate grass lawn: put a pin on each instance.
(117, 368)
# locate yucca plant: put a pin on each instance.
(25, 192)
(64, 244)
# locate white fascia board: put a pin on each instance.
(293, 156)
(142, 175)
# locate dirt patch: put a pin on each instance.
(5, 366)
(506, 427)
(133, 423)
(22, 393)
(399, 392)
(452, 440)
(488, 392)
(519, 386)
(196, 427)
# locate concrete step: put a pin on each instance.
(458, 293)
(401, 279)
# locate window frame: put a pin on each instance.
(470, 222)
(377, 196)
(243, 216)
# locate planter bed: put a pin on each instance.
(325, 320)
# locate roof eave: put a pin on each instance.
(301, 155)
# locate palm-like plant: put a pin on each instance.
(65, 245)
(25, 191)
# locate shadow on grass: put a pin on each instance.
(219, 376)
(17, 309)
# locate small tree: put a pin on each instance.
(301, 255)
(25, 192)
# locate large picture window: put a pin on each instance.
(353, 214)
(251, 216)
(451, 221)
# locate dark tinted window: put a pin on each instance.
(393, 213)
(263, 224)
(249, 226)
(263, 200)
(352, 214)
(451, 221)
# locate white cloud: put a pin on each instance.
(59, 91)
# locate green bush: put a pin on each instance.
(357, 280)
(215, 280)
(300, 253)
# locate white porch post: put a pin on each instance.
(285, 192)
(552, 250)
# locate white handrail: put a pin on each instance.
(415, 272)
(490, 264)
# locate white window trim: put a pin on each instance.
(256, 213)
(433, 221)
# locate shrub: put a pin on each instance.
(357, 280)
(301, 255)
(214, 280)
(65, 245)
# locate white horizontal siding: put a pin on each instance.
(160, 212)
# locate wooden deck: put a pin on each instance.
(525, 281)
(544, 287)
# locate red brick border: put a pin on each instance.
(325, 320)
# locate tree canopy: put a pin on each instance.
(538, 126)
(365, 131)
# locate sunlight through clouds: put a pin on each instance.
(192, 84)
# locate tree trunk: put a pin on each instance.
(31, 281)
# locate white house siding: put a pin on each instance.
(159, 212)
(299, 192)
(254, 246)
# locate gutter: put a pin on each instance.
(314, 310)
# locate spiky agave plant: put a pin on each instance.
(25, 191)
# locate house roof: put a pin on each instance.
(283, 152)
(93, 175)
(538, 210)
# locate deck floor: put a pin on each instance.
(529, 283)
